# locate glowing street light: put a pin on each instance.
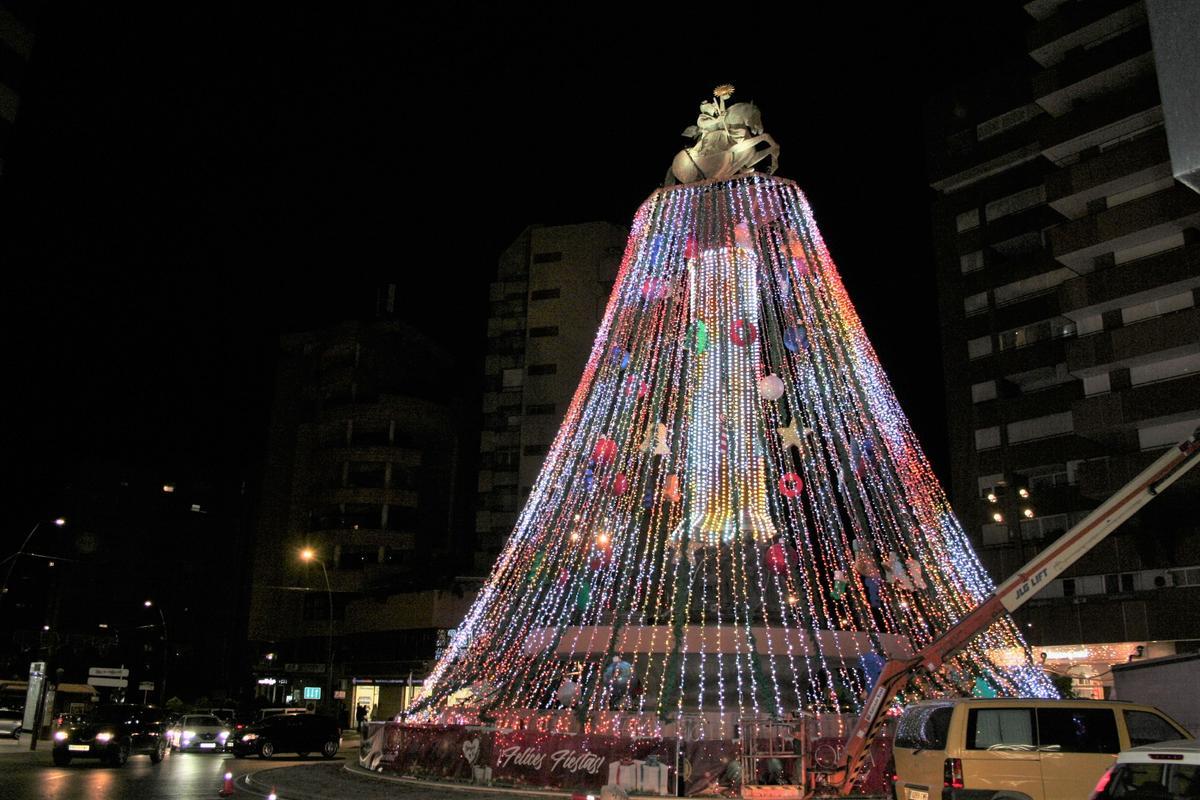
(308, 555)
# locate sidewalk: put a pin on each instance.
(339, 781)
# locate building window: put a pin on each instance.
(987, 438)
(543, 369)
(1186, 577)
(547, 258)
(1057, 328)
(975, 304)
(988, 483)
(1050, 527)
(995, 534)
(534, 449)
(1048, 476)
(967, 220)
(513, 378)
(1041, 427)
(982, 392)
(1014, 203)
(1118, 582)
(540, 409)
(545, 294)
(971, 262)
(1068, 587)
(543, 331)
(978, 348)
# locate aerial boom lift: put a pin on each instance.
(1008, 597)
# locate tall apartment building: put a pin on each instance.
(16, 45)
(1069, 280)
(361, 461)
(546, 303)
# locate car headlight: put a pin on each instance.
(60, 736)
(189, 734)
(103, 737)
(249, 737)
(224, 734)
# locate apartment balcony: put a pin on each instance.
(1001, 270)
(1088, 73)
(1026, 310)
(1168, 336)
(1074, 25)
(1026, 406)
(1049, 450)
(953, 168)
(374, 453)
(368, 496)
(1015, 360)
(327, 539)
(1132, 282)
(1101, 416)
(1100, 478)
(1135, 163)
(1098, 122)
(1003, 229)
(1146, 219)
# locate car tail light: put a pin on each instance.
(952, 775)
(1102, 784)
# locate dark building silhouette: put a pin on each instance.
(362, 460)
(1069, 277)
(16, 46)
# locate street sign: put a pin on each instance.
(109, 672)
(116, 683)
(146, 686)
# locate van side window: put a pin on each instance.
(1000, 729)
(1147, 728)
(1077, 730)
(925, 728)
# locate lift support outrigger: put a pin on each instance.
(1008, 597)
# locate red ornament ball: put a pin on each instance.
(790, 485)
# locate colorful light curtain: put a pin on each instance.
(734, 507)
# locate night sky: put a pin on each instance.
(187, 181)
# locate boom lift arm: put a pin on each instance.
(1011, 595)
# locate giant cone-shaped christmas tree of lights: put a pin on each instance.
(735, 516)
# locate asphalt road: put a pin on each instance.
(26, 775)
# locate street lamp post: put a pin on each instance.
(309, 555)
(166, 649)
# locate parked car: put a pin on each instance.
(113, 733)
(290, 733)
(10, 722)
(198, 732)
(1163, 771)
(1022, 749)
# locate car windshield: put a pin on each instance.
(107, 714)
(202, 721)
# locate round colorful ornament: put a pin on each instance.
(770, 387)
